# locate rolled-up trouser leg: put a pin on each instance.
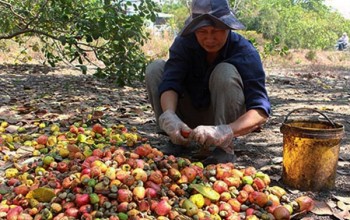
(153, 77)
(227, 98)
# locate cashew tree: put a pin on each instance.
(104, 35)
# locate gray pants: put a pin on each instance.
(226, 93)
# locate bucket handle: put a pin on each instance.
(309, 109)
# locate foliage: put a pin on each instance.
(100, 33)
(274, 47)
(311, 55)
(303, 24)
(180, 11)
(307, 24)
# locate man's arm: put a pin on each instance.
(169, 121)
(248, 122)
(168, 100)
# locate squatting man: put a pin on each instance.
(213, 83)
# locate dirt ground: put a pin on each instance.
(34, 92)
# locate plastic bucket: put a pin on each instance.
(310, 152)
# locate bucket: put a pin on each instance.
(310, 152)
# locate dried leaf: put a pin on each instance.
(12, 128)
(41, 112)
(23, 151)
(322, 208)
(331, 204)
(24, 109)
(275, 177)
(277, 160)
(343, 199)
(342, 215)
(294, 191)
(343, 172)
(97, 115)
(341, 205)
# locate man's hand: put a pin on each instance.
(172, 125)
(219, 136)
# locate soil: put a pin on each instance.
(32, 92)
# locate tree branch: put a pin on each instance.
(12, 10)
(27, 30)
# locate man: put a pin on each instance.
(212, 85)
(343, 41)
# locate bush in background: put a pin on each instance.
(105, 35)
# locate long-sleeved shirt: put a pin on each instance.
(187, 70)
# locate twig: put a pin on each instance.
(11, 8)
(36, 16)
(27, 30)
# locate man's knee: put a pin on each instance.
(222, 74)
(154, 69)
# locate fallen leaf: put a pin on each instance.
(40, 112)
(342, 215)
(12, 129)
(343, 172)
(322, 208)
(331, 204)
(97, 115)
(41, 194)
(294, 191)
(24, 151)
(343, 199)
(277, 160)
(206, 191)
(275, 177)
(341, 205)
(24, 109)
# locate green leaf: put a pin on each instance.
(83, 68)
(62, 39)
(89, 38)
(42, 194)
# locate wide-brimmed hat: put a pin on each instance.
(216, 13)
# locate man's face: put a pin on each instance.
(211, 39)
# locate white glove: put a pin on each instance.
(219, 136)
(172, 125)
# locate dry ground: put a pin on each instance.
(33, 92)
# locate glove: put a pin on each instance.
(172, 125)
(219, 136)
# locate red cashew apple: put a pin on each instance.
(305, 203)
(97, 128)
(281, 213)
(42, 139)
(186, 133)
(163, 208)
(82, 199)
